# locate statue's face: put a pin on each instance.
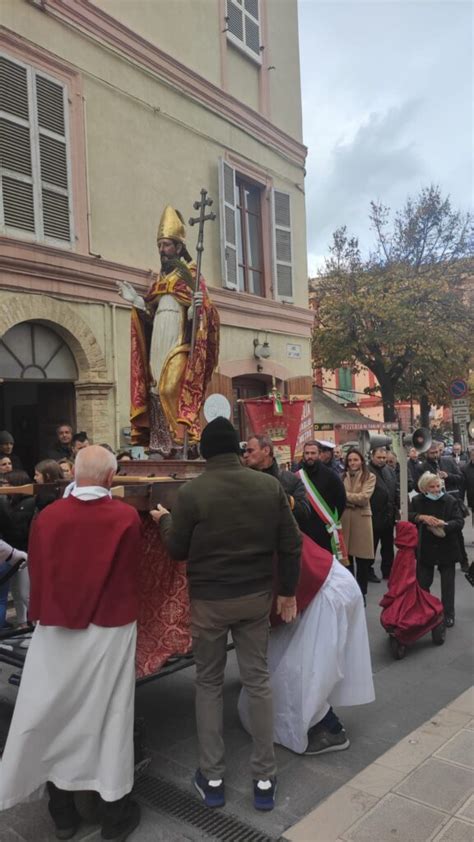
(169, 250)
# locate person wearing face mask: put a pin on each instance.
(439, 521)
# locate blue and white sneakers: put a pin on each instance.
(211, 792)
(264, 794)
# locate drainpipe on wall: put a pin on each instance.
(113, 313)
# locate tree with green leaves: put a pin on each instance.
(403, 312)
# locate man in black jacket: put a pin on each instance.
(442, 466)
(468, 489)
(384, 505)
(7, 443)
(230, 523)
(413, 465)
(326, 457)
(468, 478)
(259, 456)
(330, 488)
(62, 447)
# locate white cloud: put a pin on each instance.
(387, 105)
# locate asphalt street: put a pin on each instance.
(408, 693)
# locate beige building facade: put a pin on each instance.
(108, 111)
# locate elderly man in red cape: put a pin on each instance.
(72, 726)
(167, 386)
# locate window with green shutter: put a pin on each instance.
(35, 182)
(345, 389)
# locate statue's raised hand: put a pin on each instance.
(129, 294)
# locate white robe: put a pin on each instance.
(166, 334)
(73, 718)
(320, 659)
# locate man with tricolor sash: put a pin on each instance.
(327, 497)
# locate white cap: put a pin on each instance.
(329, 444)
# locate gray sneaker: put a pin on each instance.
(321, 741)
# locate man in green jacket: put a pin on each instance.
(232, 524)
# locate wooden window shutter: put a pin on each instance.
(282, 246)
(228, 224)
(55, 198)
(345, 384)
(35, 190)
(17, 195)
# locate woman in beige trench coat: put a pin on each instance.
(357, 517)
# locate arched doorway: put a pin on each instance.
(38, 372)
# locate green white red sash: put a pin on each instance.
(330, 518)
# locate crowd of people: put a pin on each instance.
(63, 451)
(18, 510)
(264, 546)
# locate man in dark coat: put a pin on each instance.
(460, 456)
(442, 466)
(468, 489)
(330, 488)
(413, 465)
(327, 457)
(230, 523)
(384, 505)
(62, 448)
(259, 456)
(467, 471)
(7, 443)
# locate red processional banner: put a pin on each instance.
(282, 427)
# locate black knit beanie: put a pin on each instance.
(6, 437)
(219, 437)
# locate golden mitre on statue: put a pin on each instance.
(171, 226)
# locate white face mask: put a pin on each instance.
(436, 496)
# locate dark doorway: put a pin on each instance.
(31, 411)
(246, 387)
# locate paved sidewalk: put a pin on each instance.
(420, 790)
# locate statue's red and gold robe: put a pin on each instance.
(183, 380)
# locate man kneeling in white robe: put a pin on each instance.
(72, 726)
(322, 658)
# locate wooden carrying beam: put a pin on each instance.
(143, 493)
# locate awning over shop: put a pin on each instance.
(328, 414)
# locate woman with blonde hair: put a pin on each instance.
(439, 521)
(356, 520)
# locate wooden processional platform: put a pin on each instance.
(163, 622)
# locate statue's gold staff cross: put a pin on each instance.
(200, 205)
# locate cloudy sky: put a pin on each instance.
(387, 108)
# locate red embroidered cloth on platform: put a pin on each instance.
(163, 620)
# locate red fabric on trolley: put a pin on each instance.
(315, 566)
(163, 618)
(409, 612)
